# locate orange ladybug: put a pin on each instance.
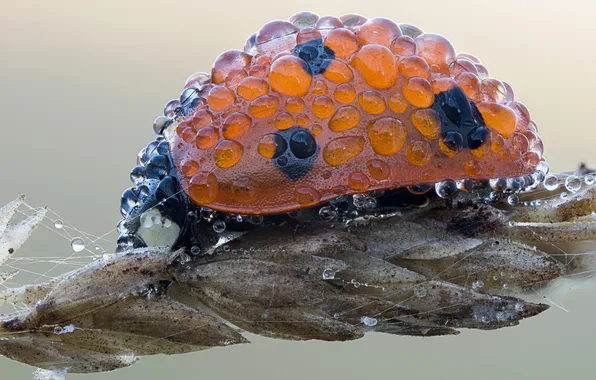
(315, 108)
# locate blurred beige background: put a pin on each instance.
(82, 81)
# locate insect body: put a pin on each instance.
(317, 108)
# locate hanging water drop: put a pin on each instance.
(446, 189)
(219, 226)
(59, 224)
(77, 244)
(589, 179)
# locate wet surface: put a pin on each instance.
(82, 174)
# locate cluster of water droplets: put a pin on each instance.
(154, 175)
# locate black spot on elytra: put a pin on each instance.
(296, 152)
(462, 125)
(316, 55)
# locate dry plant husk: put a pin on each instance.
(426, 271)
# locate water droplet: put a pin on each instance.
(513, 200)
(256, 219)
(328, 274)
(138, 175)
(573, 183)
(538, 177)
(494, 196)
(477, 284)
(342, 149)
(551, 182)
(358, 200)
(77, 244)
(184, 258)
(589, 179)
(446, 189)
(265, 316)
(370, 203)
(564, 196)
(505, 286)
(188, 95)
(160, 123)
(219, 226)
(327, 213)
(227, 153)
(59, 224)
(306, 195)
(171, 108)
(542, 167)
(207, 214)
(515, 184)
(498, 184)
(336, 316)
(195, 250)
(368, 321)
(226, 248)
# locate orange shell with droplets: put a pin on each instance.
(369, 112)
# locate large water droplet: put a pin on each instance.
(160, 123)
(446, 189)
(59, 224)
(589, 179)
(551, 182)
(77, 244)
(573, 183)
(513, 200)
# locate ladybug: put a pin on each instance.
(316, 109)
